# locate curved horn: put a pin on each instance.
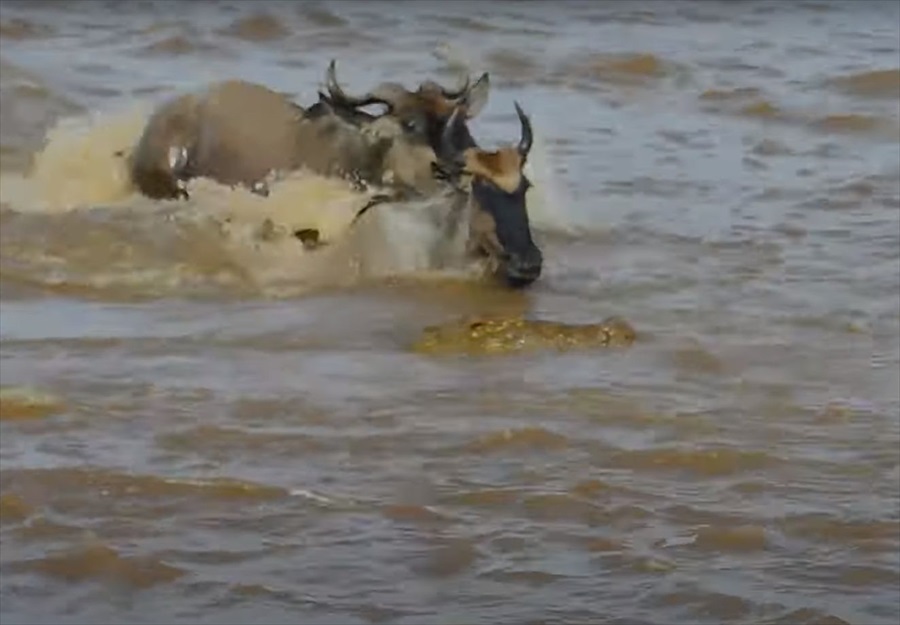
(527, 135)
(388, 93)
(448, 149)
(457, 94)
(461, 90)
(338, 94)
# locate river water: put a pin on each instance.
(199, 427)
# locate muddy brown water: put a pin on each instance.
(200, 427)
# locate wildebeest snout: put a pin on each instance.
(521, 269)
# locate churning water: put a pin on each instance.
(204, 423)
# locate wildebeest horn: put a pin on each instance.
(448, 147)
(335, 91)
(527, 135)
(460, 91)
(386, 93)
(451, 94)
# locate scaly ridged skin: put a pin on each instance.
(500, 335)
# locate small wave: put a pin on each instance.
(449, 557)
(342, 39)
(825, 528)
(600, 544)
(484, 498)
(805, 616)
(40, 529)
(531, 578)
(511, 67)
(884, 83)
(737, 539)
(318, 16)
(115, 484)
(627, 69)
(645, 65)
(702, 605)
(413, 514)
(864, 577)
(590, 488)
(637, 562)
(19, 29)
(534, 438)
(259, 591)
(855, 192)
(697, 359)
(14, 508)
(308, 494)
(752, 103)
(20, 403)
(563, 507)
(260, 27)
(179, 45)
(851, 123)
(100, 562)
(771, 147)
(761, 109)
(728, 95)
(713, 462)
(223, 442)
(464, 23)
(741, 101)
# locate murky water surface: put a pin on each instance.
(199, 427)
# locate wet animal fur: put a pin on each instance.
(237, 132)
(503, 167)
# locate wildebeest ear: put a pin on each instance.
(478, 95)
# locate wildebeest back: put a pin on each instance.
(245, 131)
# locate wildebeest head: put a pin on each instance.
(423, 113)
(499, 227)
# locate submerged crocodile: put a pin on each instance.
(499, 335)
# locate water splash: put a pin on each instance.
(75, 221)
(80, 164)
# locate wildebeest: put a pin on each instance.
(494, 187)
(237, 132)
(478, 211)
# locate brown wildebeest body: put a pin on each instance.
(237, 132)
(243, 132)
